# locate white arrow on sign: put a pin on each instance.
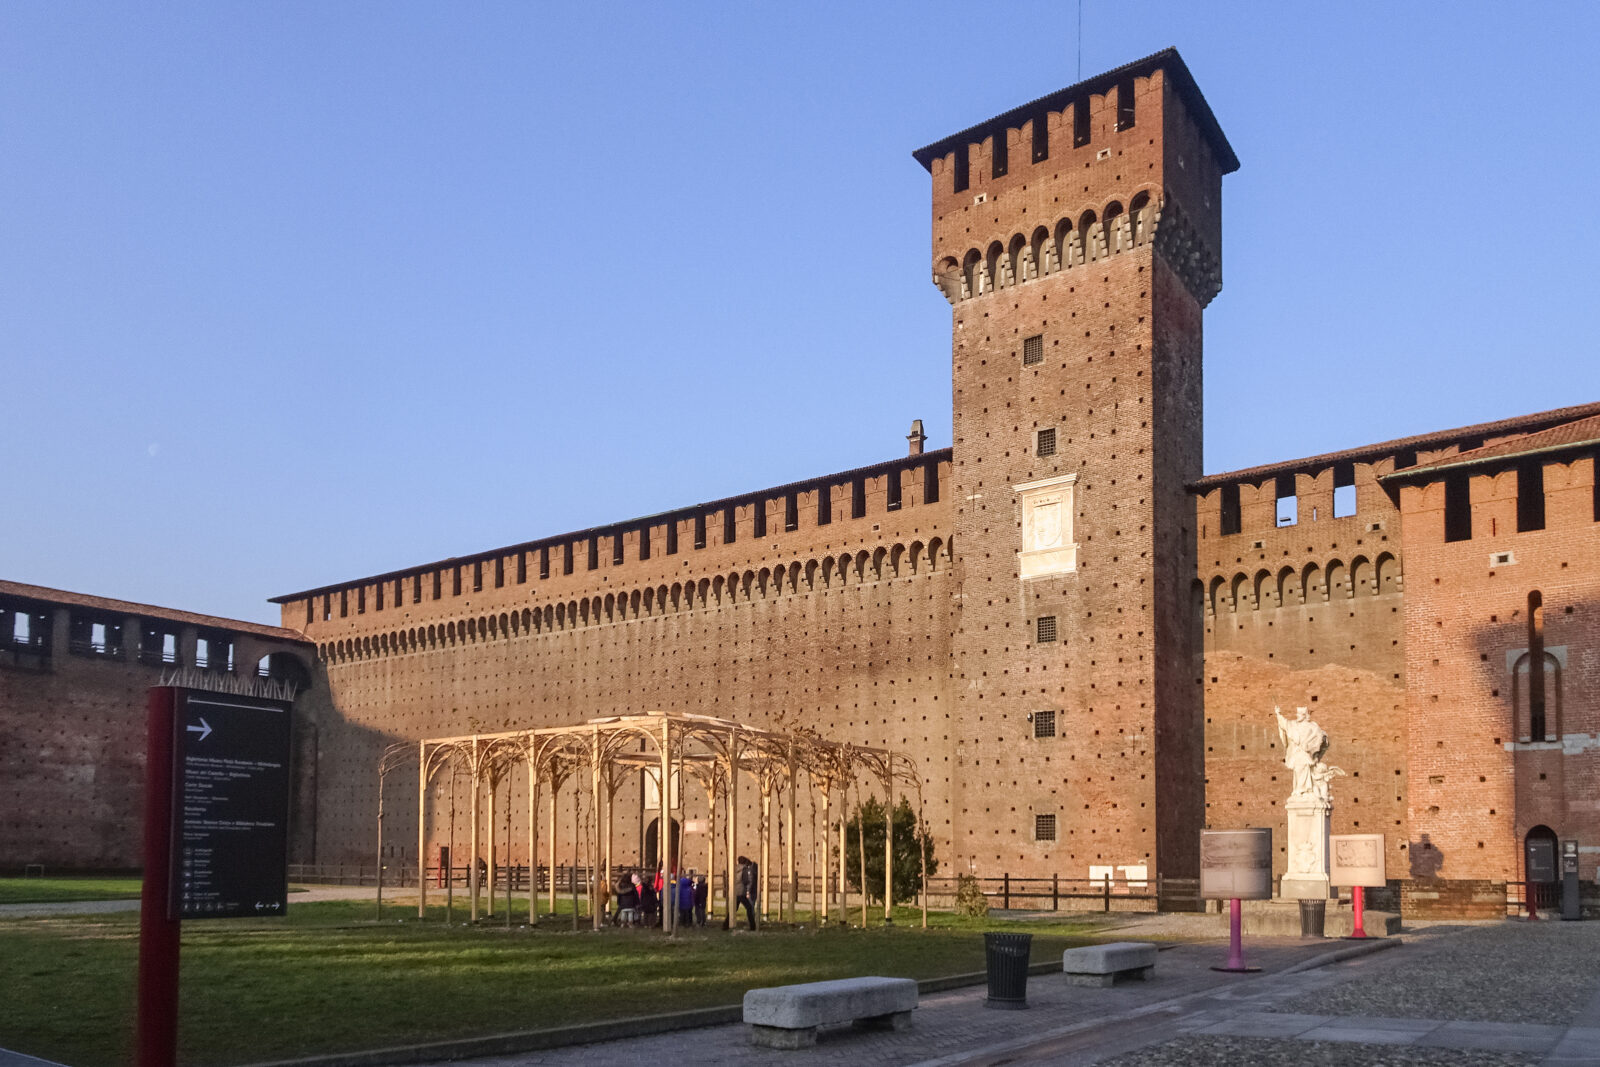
(204, 729)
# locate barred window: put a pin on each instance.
(1044, 827)
(1046, 444)
(1046, 628)
(1033, 349)
(1044, 723)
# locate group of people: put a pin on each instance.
(644, 899)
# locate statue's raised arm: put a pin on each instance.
(1304, 742)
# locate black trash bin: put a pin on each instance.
(1313, 917)
(1006, 956)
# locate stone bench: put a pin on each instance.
(1102, 965)
(788, 1016)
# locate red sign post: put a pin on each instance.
(216, 819)
(158, 934)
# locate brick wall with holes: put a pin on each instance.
(842, 626)
(72, 765)
(1307, 613)
(1117, 378)
(1480, 780)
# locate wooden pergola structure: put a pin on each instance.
(668, 749)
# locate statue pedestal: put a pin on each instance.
(1309, 825)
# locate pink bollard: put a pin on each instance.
(1235, 940)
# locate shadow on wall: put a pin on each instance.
(1426, 859)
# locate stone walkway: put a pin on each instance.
(1486, 995)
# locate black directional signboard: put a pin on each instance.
(230, 806)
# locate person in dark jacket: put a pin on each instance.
(748, 884)
(649, 903)
(628, 901)
(685, 901)
(701, 895)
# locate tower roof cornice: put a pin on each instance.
(1167, 59)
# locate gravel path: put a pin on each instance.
(1514, 972)
(1234, 1051)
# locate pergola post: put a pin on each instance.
(730, 891)
(844, 897)
(861, 849)
(489, 871)
(472, 861)
(450, 869)
(664, 830)
(791, 871)
(422, 830)
(509, 867)
(765, 839)
(555, 792)
(533, 837)
(711, 843)
(827, 852)
(811, 873)
(594, 778)
(577, 837)
(922, 849)
(888, 840)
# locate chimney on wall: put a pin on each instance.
(915, 438)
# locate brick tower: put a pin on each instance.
(1078, 238)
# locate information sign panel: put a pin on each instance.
(1236, 864)
(1356, 859)
(230, 806)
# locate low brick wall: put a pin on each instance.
(1464, 898)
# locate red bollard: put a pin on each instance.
(1360, 898)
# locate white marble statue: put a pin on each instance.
(1304, 743)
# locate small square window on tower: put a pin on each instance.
(1045, 443)
(1044, 723)
(1033, 349)
(1045, 629)
(1044, 827)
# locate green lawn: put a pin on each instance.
(327, 978)
(51, 890)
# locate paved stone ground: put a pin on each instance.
(1474, 995)
(1239, 1051)
(1451, 971)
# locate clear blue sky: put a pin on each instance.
(295, 293)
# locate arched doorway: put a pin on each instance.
(1540, 872)
(284, 667)
(652, 849)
